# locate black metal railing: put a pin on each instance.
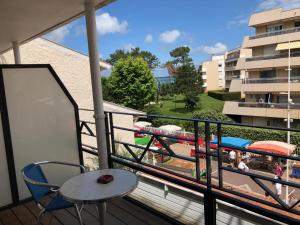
(269, 105)
(274, 33)
(268, 57)
(206, 157)
(294, 79)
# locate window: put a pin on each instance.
(297, 24)
(267, 74)
(295, 72)
(273, 28)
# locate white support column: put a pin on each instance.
(16, 50)
(90, 17)
(96, 82)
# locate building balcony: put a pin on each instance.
(270, 84)
(265, 62)
(272, 110)
(230, 68)
(272, 38)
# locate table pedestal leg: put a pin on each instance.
(102, 212)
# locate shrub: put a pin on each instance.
(213, 115)
(225, 96)
(132, 83)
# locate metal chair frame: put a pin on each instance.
(53, 188)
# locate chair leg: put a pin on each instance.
(38, 221)
(78, 214)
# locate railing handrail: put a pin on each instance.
(273, 56)
(211, 185)
(277, 32)
(275, 105)
(197, 120)
(269, 80)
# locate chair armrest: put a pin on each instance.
(52, 187)
(82, 168)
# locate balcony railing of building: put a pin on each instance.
(294, 79)
(268, 57)
(274, 33)
(230, 68)
(269, 105)
(206, 157)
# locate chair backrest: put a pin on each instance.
(35, 173)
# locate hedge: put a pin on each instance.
(225, 96)
(254, 134)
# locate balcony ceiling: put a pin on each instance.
(23, 20)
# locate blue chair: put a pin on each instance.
(39, 188)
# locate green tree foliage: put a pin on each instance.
(188, 81)
(106, 90)
(151, 59)
(213, 115)
(132, 83)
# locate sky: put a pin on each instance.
(207, 26)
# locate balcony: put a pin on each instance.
(267, 57)
(269, 38)
(275, 33)
(230, 68)
(271, 84)
(264, 62)
(273, 110)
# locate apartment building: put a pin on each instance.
(266, 82)
(213, 73)
(233, 75)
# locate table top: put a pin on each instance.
(84, 187)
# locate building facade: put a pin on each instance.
(233, 75)
(266, 80)
(213, 73)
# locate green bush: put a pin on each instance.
(225, 96)
(213, 115)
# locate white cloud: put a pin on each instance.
(129, 47)
(59, 34)
(216, 49)
(238, 22)
(148, 38)
(110, 24)
(271, 4)
(170, 36)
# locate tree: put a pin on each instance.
(213, 115)
(106, 90)
(148, 57)
(188, 81)
(132, 83)
(181, 55)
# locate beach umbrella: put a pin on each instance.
(231, 142)
(170, 128)
(142, 124)
(276, 147)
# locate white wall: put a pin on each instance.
(42, 123)
(5, 193)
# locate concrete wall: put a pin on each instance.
(74, 71)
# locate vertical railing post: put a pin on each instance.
(196, 137)
(107, 131)
(209, 199)
(207, 153)
(112, 134)
(220, 156)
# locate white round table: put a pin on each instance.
(84, 189)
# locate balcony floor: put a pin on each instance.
(120, 212)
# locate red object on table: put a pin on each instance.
(105, 179)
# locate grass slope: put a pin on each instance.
(176, 107)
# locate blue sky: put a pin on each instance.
(206, 26)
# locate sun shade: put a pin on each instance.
(276, 147)
(232, 142)
(287, 45)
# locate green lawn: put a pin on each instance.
(176, 107)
